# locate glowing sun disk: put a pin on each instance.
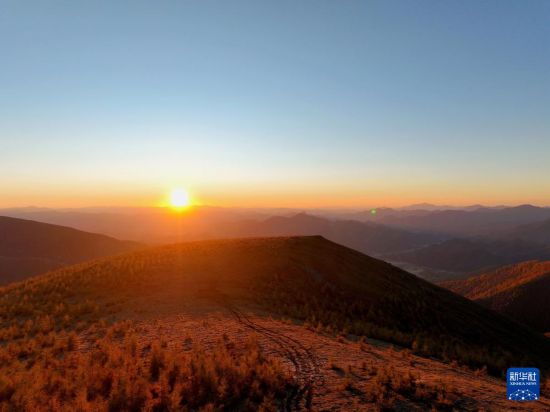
(179, 198)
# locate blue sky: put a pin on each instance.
(310, 103)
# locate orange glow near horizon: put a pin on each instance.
(289, 195)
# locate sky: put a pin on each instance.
(281, 103)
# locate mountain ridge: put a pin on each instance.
(518, 291)
(28, 248)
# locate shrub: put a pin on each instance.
(114, 376)
(388, 385)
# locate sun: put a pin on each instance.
(179, 198)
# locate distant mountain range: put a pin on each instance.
(142, 224)
(463, 256)
(480, 221)
(520, 291)
(535, 232)
(28, 248)
(438, 242)
(365, 237)
(476, 240)
(158, 225)
(432, 207)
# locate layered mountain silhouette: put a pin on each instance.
(145, 224)
(159, 225)
(434, 243)
(482, 221)
(535, 232)
(463, 256)
(28, 248)
(519, 291)
(365, 237)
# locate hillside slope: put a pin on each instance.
(304, 277)
(28, 248)
(519, 291)
(211, 311)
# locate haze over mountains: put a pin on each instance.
(477, 221)
(365, 237)
(538, 232)
(29, 248)
(475, 238)
(147, 225)
(459, 257)
(437, 242)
